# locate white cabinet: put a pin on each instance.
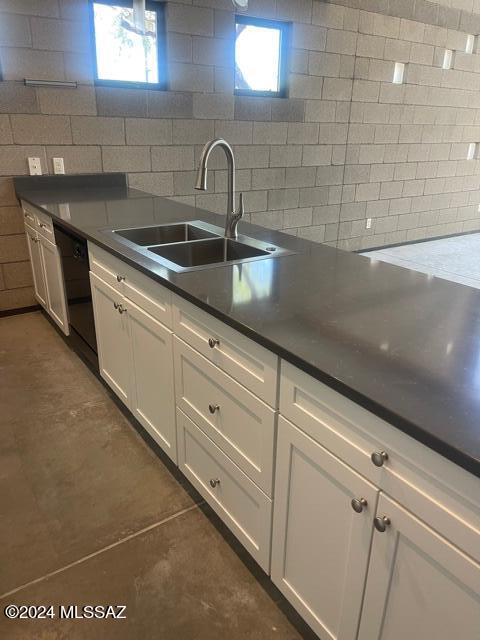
(423, 564)
(135, 354)
(56, 305)
(153, 393)
(320, 544)
(37, 266)
(339, 470)
(46, 265)
(113, 338)
(419, 585)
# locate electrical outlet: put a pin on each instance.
(58, 165)
(368, 224)
(35, 166)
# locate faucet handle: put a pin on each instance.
(241, 209)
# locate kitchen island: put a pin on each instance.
(362, 381)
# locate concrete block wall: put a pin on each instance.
(348, 146)
(411, 167)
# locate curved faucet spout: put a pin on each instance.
(233, 216)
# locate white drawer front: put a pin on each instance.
(252, 365)
(39, 220)
(237, 500)
(29, 214)
(45, 225)
(131, 283)
(314, 408)
(107, 267)
(237, 421)
(149, 295)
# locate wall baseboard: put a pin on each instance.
(15, 312)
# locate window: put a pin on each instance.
(128, 53)
(261, 57)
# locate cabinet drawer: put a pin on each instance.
(29, 214)
(237, 500)
(252, 365)
(107, 267)
(149, 295)
(38, 220)
(131, 283)
(45, 225)
(237, 421)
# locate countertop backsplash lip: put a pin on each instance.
(353, 296)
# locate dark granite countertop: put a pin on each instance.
(404, 345)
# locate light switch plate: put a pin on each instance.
(58, 165)
(35, 166)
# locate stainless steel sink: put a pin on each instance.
(206, 252)
(193, 245)
(165, 234)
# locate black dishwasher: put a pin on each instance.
(74, 255)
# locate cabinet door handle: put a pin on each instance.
(379, 458)
(214, 482)
(359, 504)
(115, 305)
(382, 523)
(213, 342)
(121, 309)
(120, 278)
(213, 408)
(43, 225)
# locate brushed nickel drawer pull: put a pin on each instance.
(214, 482)
(379, 458)
(213, 408)
(213, 342)
(120, 278)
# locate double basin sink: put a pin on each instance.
(188, 246)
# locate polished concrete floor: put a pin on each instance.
(91, 513)
(456, 258)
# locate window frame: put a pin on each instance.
(159, 9)
(285, 29)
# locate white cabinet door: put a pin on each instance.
(321, 545)
(153, 393)
(37, 267)
(419, 585)
(113, 338)
(52, 263)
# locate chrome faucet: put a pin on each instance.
(233, 217)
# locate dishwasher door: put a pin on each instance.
(74, 255)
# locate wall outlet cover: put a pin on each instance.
(35, 166)
(58, 165)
